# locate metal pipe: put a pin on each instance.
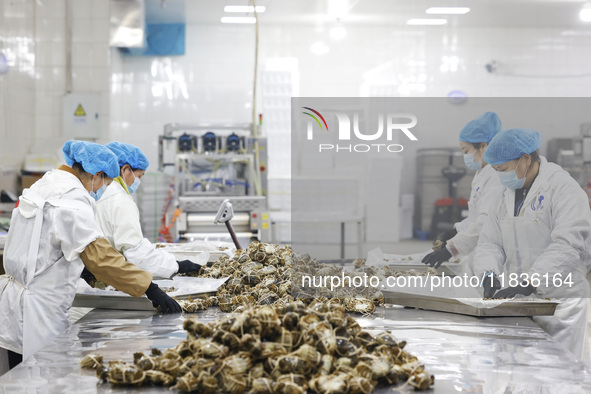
(233, 235)
(342, 240)
(68, 46)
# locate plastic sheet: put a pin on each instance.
(214, 250)
(466, 354)
(377, 258)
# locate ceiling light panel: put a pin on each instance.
(448, 10)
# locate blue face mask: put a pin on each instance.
(470, 163)
(136, 183)
(510, 180)
(99, 193)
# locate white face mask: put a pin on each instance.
(136, 183)
(470, 163)
(510, 179)
(99, 193)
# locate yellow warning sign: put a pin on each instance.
(79, 111)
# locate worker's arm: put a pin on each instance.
(569, 248)
(463, 225)
(119, 219)
(489, 254)
(466, 240)
(160, 263)
(110, 267)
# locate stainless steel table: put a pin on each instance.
(466, 354)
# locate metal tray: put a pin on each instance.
(213, 256)
(398, 267)
(421, 268)
(112, 302)
(122, 302)
(185, 288)
(509, 308)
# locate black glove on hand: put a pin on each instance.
(88, 277)
(187, 266)
(446, 236)
(510, 292)
(162, 300)
(491, 284)
(434, 259)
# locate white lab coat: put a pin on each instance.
(551, 235)
(53, 224)
(119, 219)
(486, 191)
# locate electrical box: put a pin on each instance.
(80, 116)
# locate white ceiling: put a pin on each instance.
(484, 13)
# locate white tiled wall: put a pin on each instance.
(17, 43)
(212, 82)
(33, 37)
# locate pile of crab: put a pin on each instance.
(265, 274)
(267, 349)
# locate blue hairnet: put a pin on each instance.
(511, 144)
(481, 129)
(129, 154)
(93, 157)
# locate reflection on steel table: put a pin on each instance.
(466, 354)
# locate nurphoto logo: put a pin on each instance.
(393, 123)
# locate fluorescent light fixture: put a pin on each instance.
(426, 22)
(244, 8)
(585, 13)
(238, 19)
(448, 10)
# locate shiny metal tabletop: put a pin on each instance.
(466, 354)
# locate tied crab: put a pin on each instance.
(292, 348)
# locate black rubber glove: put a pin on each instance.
(445, 236)
(162, 300)
(88, 277)
(490, 286)
(187, 266)
(510, 292)
(434, 259)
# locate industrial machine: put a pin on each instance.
(574, 155)
(210, 164)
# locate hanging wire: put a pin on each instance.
(257, 173)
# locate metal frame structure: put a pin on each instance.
(198, 208)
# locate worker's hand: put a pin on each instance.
(187, 266)
(434, 259)
(442, 238)
(162, 300)
(88, 277)
(510, 292)
(490, 284)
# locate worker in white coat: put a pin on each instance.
(460, 241)
(539, 235)
(52, 236)
(119, 218)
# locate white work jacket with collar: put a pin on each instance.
(119, 219)
(485, 193)
(53, 224)
(550, 238)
